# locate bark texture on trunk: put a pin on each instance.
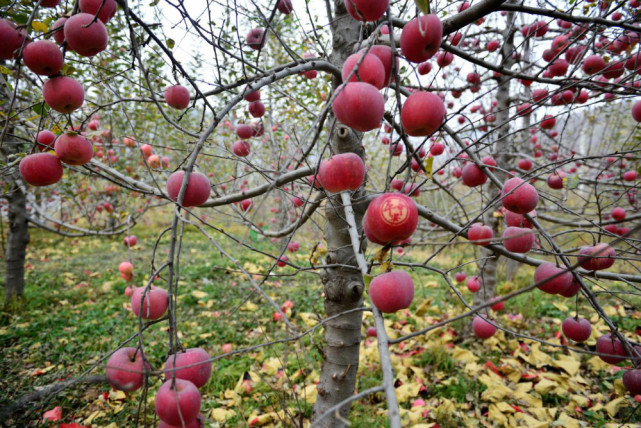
(17, 240)
(343, 286)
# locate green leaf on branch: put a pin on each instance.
(4, 70)
(573, 182)
(171, 43)
(423, 5)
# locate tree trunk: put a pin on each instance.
(17, 240)
(343, 286)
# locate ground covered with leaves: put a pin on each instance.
(75, 313)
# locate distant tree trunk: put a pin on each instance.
(17, 240)
(343, 286)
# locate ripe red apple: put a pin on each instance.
(177, 402)
(43, 57)
(245, 204)
(497, 306)
(562, 280)
(342, 172)
(555, 180)
(578, 329)
(154, 302)
(58, 30)
(397, 184)
(612, 348)
(597, 257)
(482, 328)
(480, 234)
(197, 191)
(525, 164)
(282, 261)
(256, 109)
(84, 35)
(241, 148)
(392, 291)
(366, 10)
(256, 38)
(474, 284)
(420, 42)
(437, 149)
(63, 94)
(519, 196)
(593, 64)
(73, 149)
(359, 105)
(519, 220)
(125, 369)
(632, 381)
(370, 69)
(130, 241)
(472, 175)
(11, 39)
(518, 239)
(253, 96)
(126, 268)
(293, 246)
(390, 217)
(384, 53)
(460, 276)
(41, 169)
(548, 122)
(636, 111)
(618, 214)
(198, 374)
(285, 6)
(107, 8)
(371, 331)
(45, 140)
(177, 97)
(244, 132)
(630, 175)
(424, 68)
(422, 114)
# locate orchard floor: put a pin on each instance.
(75, 313)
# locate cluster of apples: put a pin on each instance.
(178, 401)
(242, 148)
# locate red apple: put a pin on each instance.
(525, 164)
(593, 64)
(359, 105)
(629, 175)
(73, 149)
(636, 111)
(474, 284)
(253, 96)
(241, 148)
(419, 42)
(177, 402)
(107, 8)
(612, 348)
(366, 10)
(555, 180)
(11, 39)
(130, 241)
(618, 214)
(518, 239)
(293, 246)
(384, 53)
(84, 35)
(256, 38)
(632, 381)
(560, 281)
(392, 291)
(472, 175)
(126, 268)
(45, 140)
(245, 205)
(197, 191)
(342, 172)
(460, 276)
(244, 132)
(577, 328)
(41, 169)
(497, 306)
(177, 97)
(371, 331)
(198, 374)
(548, 122)
(390, 217)
(285, 6)
(519, 196)
(63, 94)
(422, 114)
(480, 234)
(154, 302)
(597, 257)
(43, 57)
(282, 261)
(58, 30)
(199, 422)
(125, 369)
(482, 328)
(370, 69)
(256, 109)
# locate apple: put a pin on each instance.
(525, 164)
(419, 42)
(618, 214)
(460, 276)
(244, 132)
(612, 348)
(256, 109)
(11, 37)
(437, 149)
(472, 175)
(572, 290)
(177, 97)
(177, 402)
(424, 68)
(392, 291)
(73, 149)
(370, 69)
(63, 94)
(253, 96)
(57, 28)
(197, 191)
(422, 114)
(482, 328)
(555, 180)
(552, 279)
(154, 302)
(396, 148)
(519, 220)
(256, 38)
(285, 6)
(130, 241)
(636, 111)
(125, 369)
(359, 105)
(390, 218)
(498, 306)
(577, 328)
(43, 57)
(282, 261)
(548, 122)
(41, 169)
(493, 45)
(293, 246)
(473, 284)
(45, 140)
(384, 53)
(630, 175)
(245, 205)
(632, 381)
(146, 150)
(198, 374)
(593, 64)
(241, 148)
(371, 331)
(518, 239)
(480, 234)
(126, 268)
(84, 35)
(342, 172)
(519, 196)
(397, 184)
(154, 161)
(366, 10)
(107, 8)
(597, 257)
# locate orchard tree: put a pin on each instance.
(374, 128)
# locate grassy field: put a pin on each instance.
(75, 313)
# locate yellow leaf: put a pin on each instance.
(613, 406)
(407, 391)
(567, 363)
(221, 415)
(309, 393)
(567, 422)
(422, 309)
(199, 294)
(271, 366)
(464, 355)
(249, 307)
(429, 163)
(495, 415)
(308, 319)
